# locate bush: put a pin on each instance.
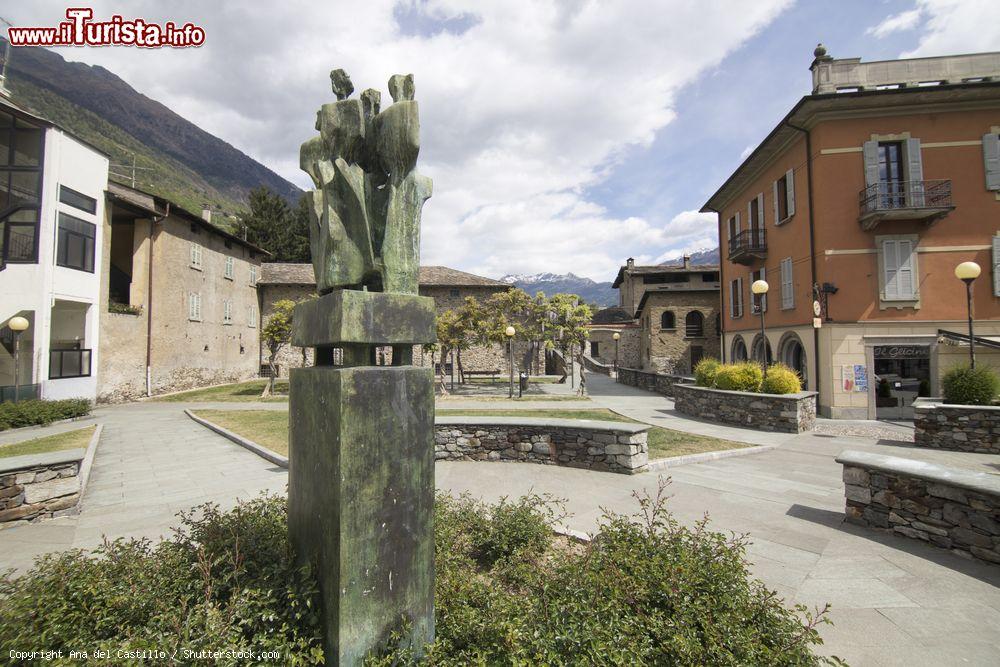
(781, 380)
(967, 386)
(704, 372)
(224, 581)
(742, 376)
(884, 390)
(33, 412)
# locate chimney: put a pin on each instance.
(630, 263)
(206, 213)
(687, 261)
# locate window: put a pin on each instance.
(736, 298)
(755, 212)
(784, 197)
(734, 226)
(890, 173)
(194, 307)
(899, 283)
(453, 292)
(996, 266)
(697, 354)
(894, 173)
(253, 275)
(21, 148)
(759, 301)
(667, 320)
(195, 256)
(793, 354)
(991, 159)
(20, 236)
(252, 316)
(229, 268)
(694, 324)
(739, 352)
(787, 284)
(69, 363)
(595, 348)
(227, 311)
(71, 197)
(761, 350)
(76, 243)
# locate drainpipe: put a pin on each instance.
(812, 242)
(149, 302)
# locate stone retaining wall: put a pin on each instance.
(949, 508)
(788, 413)
(597, 445)
(964, 428)
(657, 382)
(39, 486)
(594, 366)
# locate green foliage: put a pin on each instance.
(781, 380)
(34, 412)
(924, 389)
(275, 226)
(705, 370)
(971, 386)
(225, 581)
(646, 591)
(884, 390)
(742, 376)
(123, 309)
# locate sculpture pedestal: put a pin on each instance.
(361, 485)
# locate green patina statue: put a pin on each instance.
(365, 210)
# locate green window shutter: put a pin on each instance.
(991, 158)
(870, 153)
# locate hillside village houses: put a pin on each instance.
(856, 209)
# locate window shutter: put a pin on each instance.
(915, 172)
(790, 191)
(750, 214)
(870, 153)
(787, 285)
(740, 299)
(738, 222)
(760, 210)
(996, 266)
(907, 281)
(774, 191)
(732, 298)
(991, 157)
(890, 266)
(763, 297)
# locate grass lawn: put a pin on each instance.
(235, 393)
(503, 379)
(526, 397)
(78, 438)
(270, 428)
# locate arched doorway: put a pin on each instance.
(739, 351)
(792, 353)
(761, 350)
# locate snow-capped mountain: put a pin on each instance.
(590, 291)
(703, 256)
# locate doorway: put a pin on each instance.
(902, 373)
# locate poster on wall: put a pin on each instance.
(860, 377)
(847, 373)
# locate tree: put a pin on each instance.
(275, 335)
(570, 319)
(274, 226)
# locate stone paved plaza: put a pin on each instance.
(895, 601)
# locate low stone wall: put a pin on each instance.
(39, 486)
(657, 382)
(594, 366)
(579, 443)
(788, 413)
(963, 428)
(947, 507)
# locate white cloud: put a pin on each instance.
(521, 112)
(957, 26)
(907, 20)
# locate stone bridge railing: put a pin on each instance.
(579, 443)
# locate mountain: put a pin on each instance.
(704, 256)
(590, 291)
(174, 158)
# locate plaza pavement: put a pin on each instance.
(895, 601)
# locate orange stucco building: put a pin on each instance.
(856, 209)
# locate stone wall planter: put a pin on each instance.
(788, 413)
(655, 382)
(947, 507)
(579, 443)
(963, 428)
(42, 486)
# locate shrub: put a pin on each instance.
(704, 372)
(970, 386)
(884, 390)
(781, 380)
(33, 412)
(224, 581)
(742, 376)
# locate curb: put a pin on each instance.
(259, 450)
(86, 464)
(674, 461)
(35, 427)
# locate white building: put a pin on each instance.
(52, 201)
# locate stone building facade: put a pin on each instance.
(448, 287)
(179, 302)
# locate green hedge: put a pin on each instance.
(705, 370)
(34, 412)
(967, 386)
(781, 380)
(647, 590)
(742, 376)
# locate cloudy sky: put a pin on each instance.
(561, 136)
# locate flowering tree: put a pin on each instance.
(275, 335)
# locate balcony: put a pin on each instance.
(924, 201)
(747, 246)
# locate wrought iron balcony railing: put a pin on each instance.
(747, 245)
(905, 200)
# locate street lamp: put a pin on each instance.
(17, 325)
(967, 272)
(509, 332)
(617, 336)
(759, 288)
